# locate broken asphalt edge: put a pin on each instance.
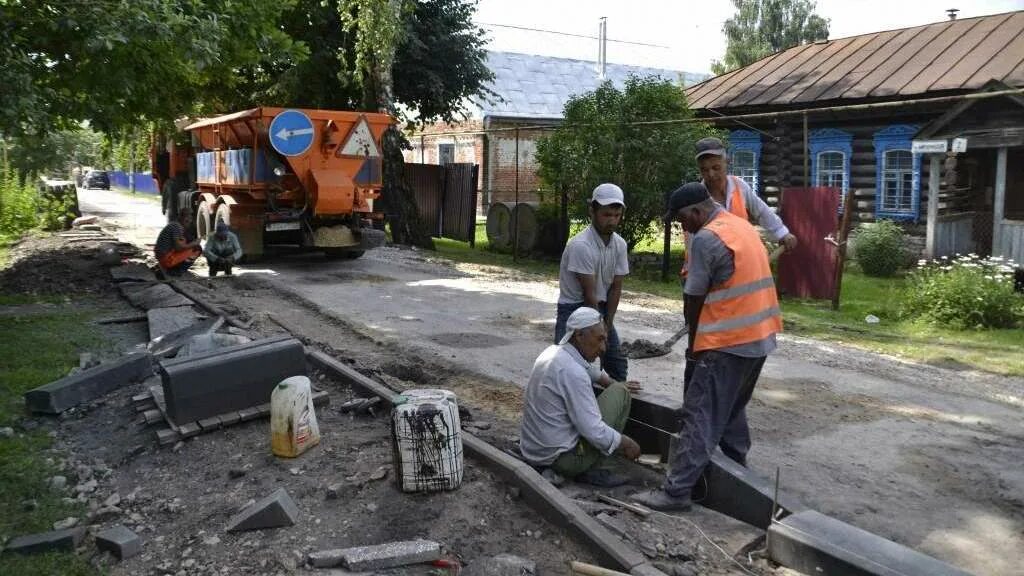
(539, 493)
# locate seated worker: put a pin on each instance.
(564, 426)
(174, 251)
(222, 250)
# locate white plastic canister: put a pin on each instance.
(427, 441)
(293, 427)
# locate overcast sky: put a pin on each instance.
(690, 33)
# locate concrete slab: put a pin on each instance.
(163, 321)
(390, 555)
(741, 493)
(814, 543)
(148, 296)
(274, 511)
(170, 343)
(57, 540)
(87, 385)
(119, 541)
(228, 379)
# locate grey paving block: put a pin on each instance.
(741, 493)
(211, 423)
(164, 321)
(229, 418)
(171, 342)
(119, 541)
(390, 555)
(154, 296)
(167, 436)
(87, 385)
(274, 511)
(65, 540)
(814, 543)
(189, 430)
(229, 379)
(326, 558)
(132, 273)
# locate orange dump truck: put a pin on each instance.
(280, 176)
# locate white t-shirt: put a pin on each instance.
(586, 253)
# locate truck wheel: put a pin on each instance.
(204, 221)
(248, 229)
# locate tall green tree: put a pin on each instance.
(763, 27)
(602, 140)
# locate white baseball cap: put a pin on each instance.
(582, 317)
(608, 193)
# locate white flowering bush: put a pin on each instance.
(964, 292)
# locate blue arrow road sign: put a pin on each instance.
(291, 133)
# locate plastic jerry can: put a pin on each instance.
(426, 441)
(293, 427)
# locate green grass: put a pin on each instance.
(997, 351)
(35, 349)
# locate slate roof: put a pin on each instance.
(539, 86)
(950, 56)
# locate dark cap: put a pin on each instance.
(686, 195)
(710, 147)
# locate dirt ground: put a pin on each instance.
(179, 498)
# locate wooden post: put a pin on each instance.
(934, 173)
(841, 236)
(999, 204)
(807, 157)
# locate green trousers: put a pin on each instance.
(613, 403)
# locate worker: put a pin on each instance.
(174, 252)
(593, 265)
(564, 426)
(732, 312)
(735, 195)
(222, 250)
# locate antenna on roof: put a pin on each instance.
(951, 12)
(602, 46)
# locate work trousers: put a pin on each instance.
(613, 403)
(714, 414)
(613, 361)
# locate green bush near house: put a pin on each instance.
(878, 249)
(965, 292)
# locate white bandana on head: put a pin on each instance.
(581, 318)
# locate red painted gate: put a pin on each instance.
(811, 214)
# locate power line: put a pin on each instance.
(570, 34)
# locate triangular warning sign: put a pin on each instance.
(360, 141)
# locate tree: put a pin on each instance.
(600, 140)
(426, 56)
(763, 27)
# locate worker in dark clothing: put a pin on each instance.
(732, 311)
(174, 251)
(222, 250)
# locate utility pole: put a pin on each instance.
(602, 46)
(131, 160)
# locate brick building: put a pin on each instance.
(532, 91)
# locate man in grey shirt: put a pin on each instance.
(593, 265)
(733, 313)
(564, 426)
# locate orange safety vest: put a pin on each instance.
(738, 206)
(745, 308)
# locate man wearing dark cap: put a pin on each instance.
(735, 194)
(222, 250)
(174, 251)
(732, 312)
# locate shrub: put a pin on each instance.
(17, 204)
(878, 248)
(965, 292)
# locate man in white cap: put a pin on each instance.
(593, 265)
(564, 426)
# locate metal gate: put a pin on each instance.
(446, 198)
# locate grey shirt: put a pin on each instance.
(586, 253)
(712, 264)
(560, 408)
(216, 248)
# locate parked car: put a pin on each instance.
(97, 179)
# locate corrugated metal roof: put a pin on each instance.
(539, 86)
(952, 55)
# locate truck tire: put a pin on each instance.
(249, 236)
(204, 221)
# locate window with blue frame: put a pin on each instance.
(831, 151)
(897, 174)
(745, 157)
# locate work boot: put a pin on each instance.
(553, 477)
(602, 478)
(663, 501)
